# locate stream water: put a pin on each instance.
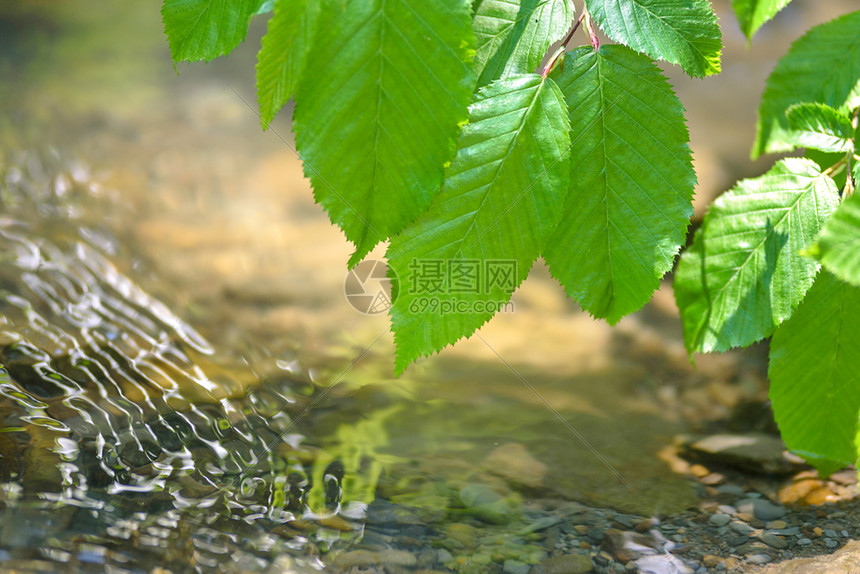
(184, 385)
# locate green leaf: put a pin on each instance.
(752, 14)
(378, 118)
(632, 181)
(838, 245)
(501, 201)
(821, 127)
(206, 29)
(514, 36)
(283, 54)
(682, 32)
(822, 67)
(815, 373)
(744, 274)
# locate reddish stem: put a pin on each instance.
(558, 53)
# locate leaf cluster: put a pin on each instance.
(433, 125)
(473, 135)
(754, 269)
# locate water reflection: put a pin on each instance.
(116, 425)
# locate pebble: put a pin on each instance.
(804, 542)
(830, 533)
(539, 524)
(516, 567)
(463, 533)
(711, 561)
(568, 564)
(644, 525)
(699, 471)
(761, 509)
(720, 519)
(596, 533)
(712, 479)
(759, 558)
(773, 540)
(741, 528)
(777, 524)
(830, 543)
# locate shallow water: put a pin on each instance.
(184, 384)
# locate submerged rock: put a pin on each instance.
(751, 452)
(567, 564)
(516, 466)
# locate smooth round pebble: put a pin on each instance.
(804, 542)
(773, 540)
(761, 509)
(830, 543)
(720, 519)
(516, 567)
(759, 558)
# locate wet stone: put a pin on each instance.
(516, 567)
(830, 543)
(568, 564)
(759, 558)
(596, 533)
(761, 509)
(742, 528)
(773, 540)
(732, 489)
(720, 519)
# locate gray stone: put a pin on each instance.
(443, 556)
(568, 564)
(773, 540)
(539, 524)
(749, 452)
(761, 509)
(830, 543)
(742, 528)
(759, 558)
(516, 567)
(720, 519)
(804, 542)
(596, 533)
(830, 533)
